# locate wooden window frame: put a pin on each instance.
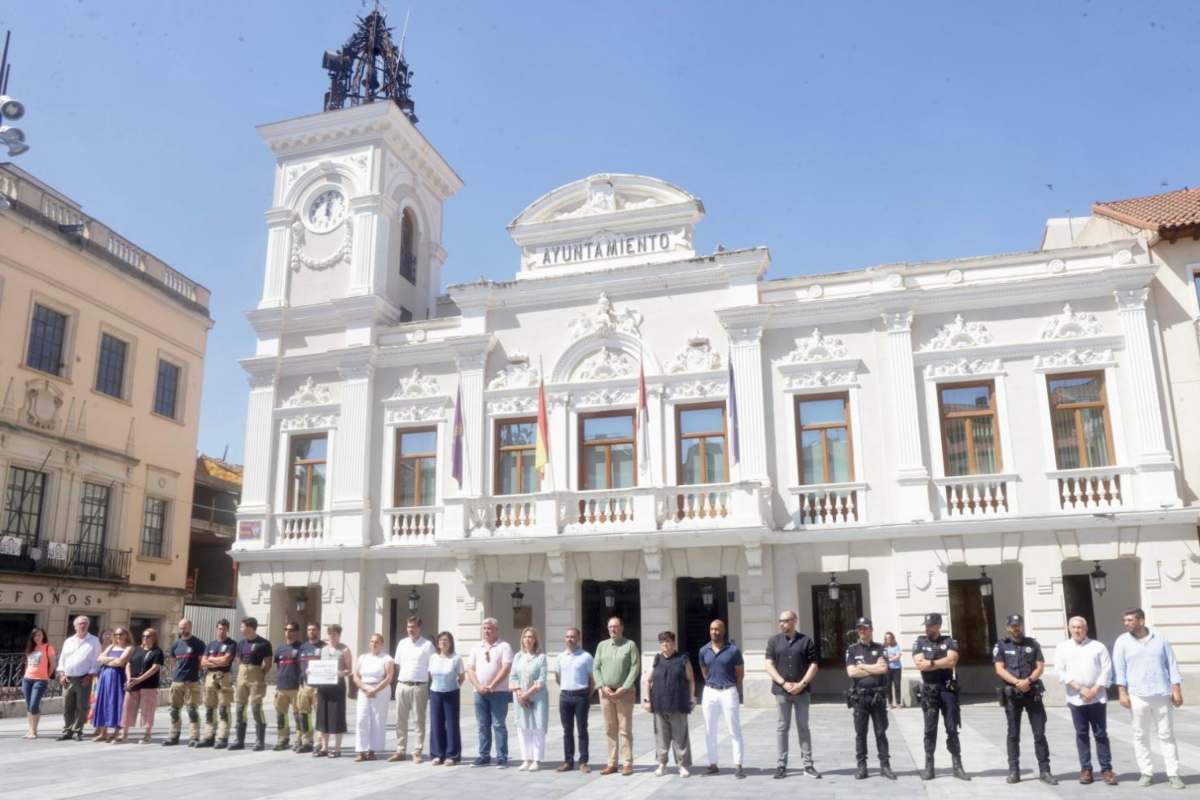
(400, 458)
(1080, 440)
(309, 464)
(149, 532)
(822, 427)
(991, 412)
(606, 444)
(500, 450)
(680, 437)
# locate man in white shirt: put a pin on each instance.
(77, 665)
(412, 688)
(1085, 670)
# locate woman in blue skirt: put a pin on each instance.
(110, 691)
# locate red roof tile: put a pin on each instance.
(1164, 213)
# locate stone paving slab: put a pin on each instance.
(49, 770)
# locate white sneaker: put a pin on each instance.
(683, 772)
(658, 773)
(534, 766)
(524, 766)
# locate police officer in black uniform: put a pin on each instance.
(867, 666)
(936, 656)
(1019, 663)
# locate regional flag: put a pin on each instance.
(541, 453)
(735, 439)
(456, 456)
(643, 421)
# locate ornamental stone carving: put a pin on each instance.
(415, 386)
(416, 412)
(300, 259)
(1075, 357)
(897, 321)
(308, 422)
(820, 378)
(519, 374)
(309, 393)
(606, 364)
(522, 404)
(816, 347)
(604, 320)
(691, 389)
(607, 397)
(698, 356)
(1071, 325)
(963, 367)
(43, 402)
(959, 334)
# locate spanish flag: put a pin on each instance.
(541, 453)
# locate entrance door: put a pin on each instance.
(972, 615)
(694, 616)
(601, 600)
(14, 632)
(1077, 593)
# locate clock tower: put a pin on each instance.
(356, 218)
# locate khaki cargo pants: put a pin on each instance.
(306, 706)
(285, 700)
(251, 688)
(218, 697)
(189, 692)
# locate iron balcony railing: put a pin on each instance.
(80, 560)
(12, 670)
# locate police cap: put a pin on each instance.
(933, 618)
(1016, 619)
(863, 622)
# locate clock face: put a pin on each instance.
(326, 210)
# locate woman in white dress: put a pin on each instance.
(527, 682)
(373, 677)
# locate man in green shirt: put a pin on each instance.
(615, 670)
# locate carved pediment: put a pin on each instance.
(698, 356)
(959, 334)
(604, 320)
(606, 364)
(518, 374)
(309, 393)
(817, 347)
(415, 386)
(1071, 325)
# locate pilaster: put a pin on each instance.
(256, 486)
(351, 502)
(279, 234)
(912, 475)
(471, 359)
(559, 424)
(744, 327)
(365, 217)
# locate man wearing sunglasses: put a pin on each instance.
(792, 664)
(490, 663)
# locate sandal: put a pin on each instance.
(146, 738)
(360, 757)
(319, 753)
(337, 753)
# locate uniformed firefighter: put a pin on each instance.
(306, 698)
(287, 685)
(935, 656)
(867, 666)
(1019, 664)
(218, 686)
(185, 684)
(254, 660)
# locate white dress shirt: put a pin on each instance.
(412, 659)
(1086, 664)
(77, 657)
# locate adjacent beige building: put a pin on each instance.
(101, 361)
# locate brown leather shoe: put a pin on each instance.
(1085, 776)
(584, 768)
(416, 758)
(396, 757)
(627, 770)
(1109, 776)
(564, 767)
(360, 758)
(609, 770)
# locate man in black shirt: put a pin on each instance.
(185, 683)
(1020, 664)
(287, 684)
(792, 664)
(254, 659)
(936, 656)
(218, 686)
(867, 666)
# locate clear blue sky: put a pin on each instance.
(840, 135)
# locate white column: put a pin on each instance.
(912, 476)
(660, 448)
(351, 502)
(471, 363)
(258, 455)
(745, 329)
(279, 245)
(559, 425)
(365, 219)
(1155, 468)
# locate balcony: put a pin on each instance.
(1095, 489)
(974, 496)
(59, 558)
(417, 525)
(221, 521)
(301, 529)
(828, 505)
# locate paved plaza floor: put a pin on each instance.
(49, 770)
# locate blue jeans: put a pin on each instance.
(33, 691)
(1094, 717)
(445, 740)
(491, 711)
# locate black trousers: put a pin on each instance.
(872, 711)
(945, 705)
(573, 713)
(1030, 704)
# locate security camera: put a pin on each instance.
(11, 107)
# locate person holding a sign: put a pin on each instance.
(306, 698)
(331, 695)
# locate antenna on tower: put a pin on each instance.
(404, 32)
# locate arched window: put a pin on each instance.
(408, 246)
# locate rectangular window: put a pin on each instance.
(93, 523)
(23, 504)
(308, 461)
(416, 468)
(516, 441)
(1079, 419)
(824, 430)
(47, 338)
(970, 444)
(1196, 283)
(154, 527)
(701, 437)
(833, 620)
(166, 389)
(606, 450)
(110, 368)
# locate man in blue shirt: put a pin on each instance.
(185, 683)
(1150, 685)
(723, 669)
(287, 684)
(573, 673)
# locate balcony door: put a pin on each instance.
(94, 503)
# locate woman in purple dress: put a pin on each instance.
(110, 691)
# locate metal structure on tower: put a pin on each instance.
(369, 67)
